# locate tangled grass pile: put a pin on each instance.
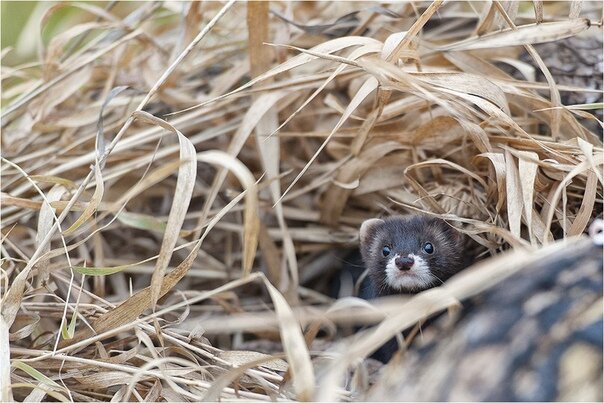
(180, 183)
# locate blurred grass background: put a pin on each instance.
(20, 22)
(15, 15)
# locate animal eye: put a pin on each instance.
(428, 248)
(386, 250)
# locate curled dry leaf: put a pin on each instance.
(182, 196)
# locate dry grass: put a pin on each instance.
(174, 193)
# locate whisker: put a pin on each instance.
(436, 277)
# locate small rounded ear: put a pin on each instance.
(368, 229)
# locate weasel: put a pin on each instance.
(409, 254)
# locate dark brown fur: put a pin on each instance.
(408, 234)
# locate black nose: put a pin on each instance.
(404, 263)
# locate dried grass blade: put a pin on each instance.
(513, 194)
(251, 219)
(153, 178)
(556, 115)
(254, 114)
(122, 317)
(135, 305)
(142, 221)
(498, 162)
(587, 205)
(37, 375)
(260, 61)
(452, 165)
(56, 180)
(320, 55)
(414, 30)
(336, 197)
(366, 89)
(578, 169)
(100, 138)
(8, 200)
(183, 192)
(155, 392)
(299, 60)
(11, 301)
(554, 93)
(486, 20)
(382, 97)
(477, 134)
(103, 271)
(527, 170)
(423, 193)
(37, 394)
(523, 35)
(99, 190)
(588, 152)
(362, 51)
(94, 202)
(68, 73)
(538, 6)
(258, 25)
(511, 12)
(68, 330)
(45, 389)
(575, 8)
(6, 394)
(45, 221)
(253, 360)
(294, 345)
(468, 84)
